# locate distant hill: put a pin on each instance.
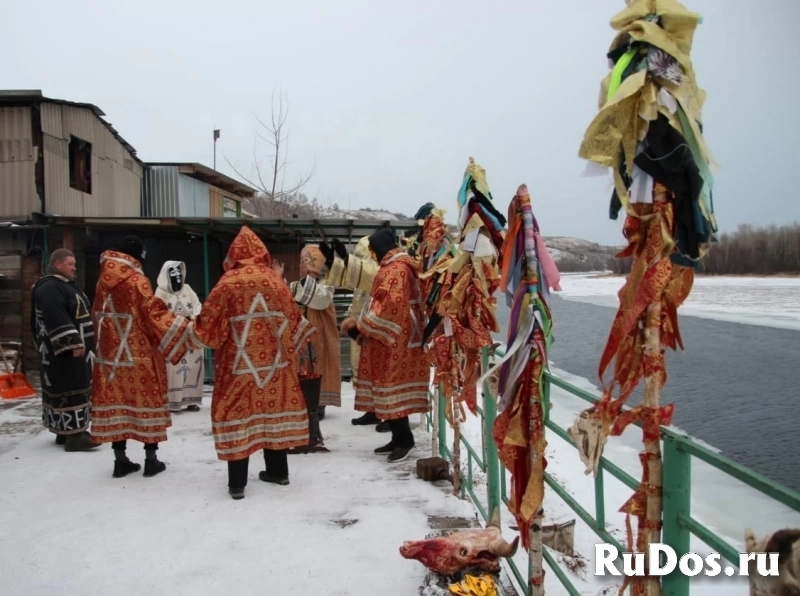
(574, 254)
(378, 214)
(571, 254)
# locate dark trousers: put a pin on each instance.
(401, 433)
(276, 463)
(122, 445)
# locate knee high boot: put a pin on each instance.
(316, 442)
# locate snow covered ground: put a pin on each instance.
(68, 527)
(767, 301)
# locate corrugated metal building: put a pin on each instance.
(191, 190)
(63, 158)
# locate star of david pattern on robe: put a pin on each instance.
(257, 330)
(137, 335)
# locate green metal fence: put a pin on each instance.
(679, 452)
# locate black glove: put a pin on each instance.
(341, 251)
(436, 318)
(354, 333)
(327, 251)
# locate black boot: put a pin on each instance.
(125, 467)
(383, 427)
(277, 467)
(122, 465)
(151, 464)
(237, 477)
(80, 442)
(365, 420)
(316, 442)
(61, 439)
(386, 449)
(402, 438)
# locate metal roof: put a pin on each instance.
(210, 176)
(35, 96)
(281, 230)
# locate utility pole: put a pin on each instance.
(216, 136)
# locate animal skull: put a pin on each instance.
(462, 550)
(787, 544)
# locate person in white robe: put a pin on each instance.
(185, 379)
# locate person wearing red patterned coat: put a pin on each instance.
(136, 336)
(252, 321)
(392, 370)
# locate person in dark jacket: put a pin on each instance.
(63, 333)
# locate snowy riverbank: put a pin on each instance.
(767, 301)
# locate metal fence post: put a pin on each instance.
(209, 363)
(440, 404)
(490, 448)
(676, 503)
(546, 398)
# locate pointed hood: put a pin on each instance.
(362, 249)
(116, 267)
(168, 281)
(246, 249)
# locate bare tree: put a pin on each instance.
(275, 198)
(750, 250)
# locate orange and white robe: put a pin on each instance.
(250, 318)
(136, 335)
(392, 371)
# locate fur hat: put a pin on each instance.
(382, 242)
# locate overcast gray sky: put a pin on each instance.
(389, 99)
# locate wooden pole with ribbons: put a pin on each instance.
(528, 273)
(458, 279)
(648, 132)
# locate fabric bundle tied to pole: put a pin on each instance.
(459, 279)
(648, 131)
(519, 427)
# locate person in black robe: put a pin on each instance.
(63, 332)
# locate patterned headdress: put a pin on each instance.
(311, 260)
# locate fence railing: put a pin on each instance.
(679, 452)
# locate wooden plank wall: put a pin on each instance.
(10, 295)
(214, 202)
